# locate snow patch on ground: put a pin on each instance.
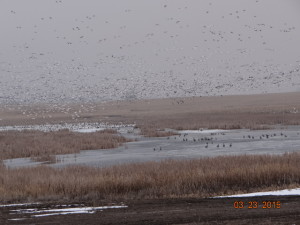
(23, 204)
(56, 212)
(276, 193)
(17, 219)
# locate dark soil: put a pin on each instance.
(176, 211)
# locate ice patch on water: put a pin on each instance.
(201, 131)
(77, 127)
(88, 130)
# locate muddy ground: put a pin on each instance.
(175, 211)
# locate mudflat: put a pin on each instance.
(174, 211)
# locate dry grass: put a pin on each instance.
(43, 146)
(220, 120)
(189, 178)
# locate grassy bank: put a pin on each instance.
(227, 120)
(219, 120)
(190, 178)
(44, 145)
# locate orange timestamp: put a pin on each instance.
(256, 204)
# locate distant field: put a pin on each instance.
(226, 112)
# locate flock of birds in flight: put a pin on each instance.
(214, 35)
(120, 74)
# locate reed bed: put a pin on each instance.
(42, 146)
(204, 177)
(219, 120)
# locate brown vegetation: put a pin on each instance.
(168, 179)
(220, 120)
(43, 146)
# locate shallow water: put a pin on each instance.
(157, 149)
(96, 50)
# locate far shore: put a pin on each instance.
(235, 109)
